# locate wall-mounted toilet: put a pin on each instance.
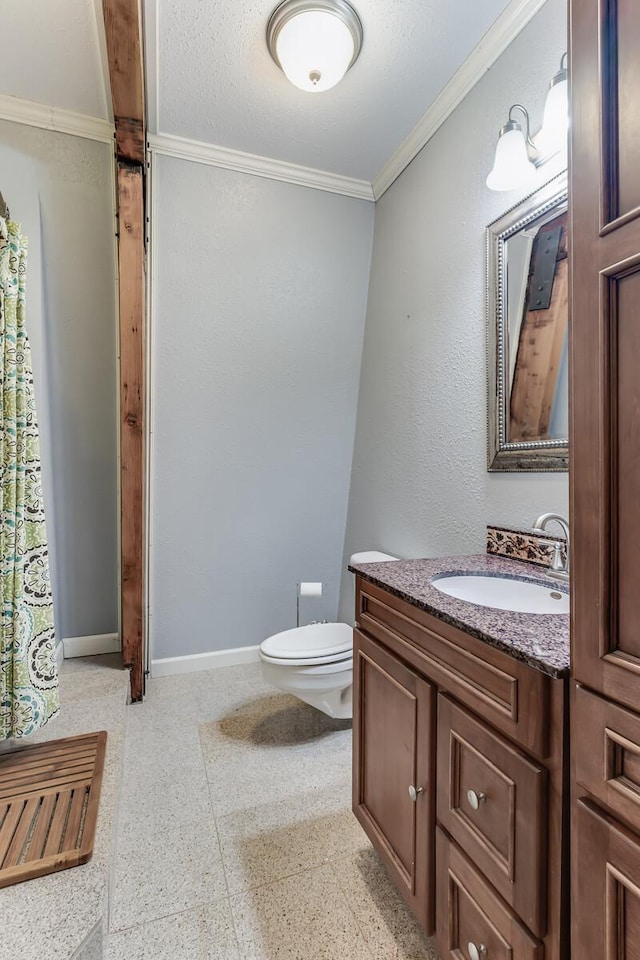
(315, 662)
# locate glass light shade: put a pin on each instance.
(555, 124)
(512, 167)
(315, 49)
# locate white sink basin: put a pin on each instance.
(522, 596)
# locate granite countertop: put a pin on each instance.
(539, 640)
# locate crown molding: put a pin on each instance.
(54, 118)
(505, 29)
(198, 152)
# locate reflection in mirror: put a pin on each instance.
(528, 333)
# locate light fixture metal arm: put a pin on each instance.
(525, 112)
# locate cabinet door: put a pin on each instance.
(393, 770)
(605, 345)
(606, 902)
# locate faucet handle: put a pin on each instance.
(557, 560)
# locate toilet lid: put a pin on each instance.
(313, 641)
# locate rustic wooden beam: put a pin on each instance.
(131, 264)
(123, 28)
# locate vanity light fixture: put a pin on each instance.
(517, 154)
(314, 42)
(514, 164)
(555, 123)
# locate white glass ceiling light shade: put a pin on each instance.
(555, 124)
(314, 42)
(512, 167)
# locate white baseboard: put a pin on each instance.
(91, 646)
(59, 654)
(169, 666)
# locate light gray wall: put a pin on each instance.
(260, 296)
(419, 485)
(60, 188)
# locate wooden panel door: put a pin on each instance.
(605, 289)
(606, 900)
(393, 770)
(605, 471)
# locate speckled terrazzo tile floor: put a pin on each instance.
(53, 915)
(226, 833)
(254, 786)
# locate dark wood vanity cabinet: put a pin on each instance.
(458, 780)
(605, 477)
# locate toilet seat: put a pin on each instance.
(316, 643)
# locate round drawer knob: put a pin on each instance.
(475, 799)
(476, 952)
(414, 792)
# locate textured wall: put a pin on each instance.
(419, 484)
(52, 54)
(60, 189)
(260, 297)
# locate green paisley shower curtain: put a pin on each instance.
(28, 675)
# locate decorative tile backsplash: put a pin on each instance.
(520, 545)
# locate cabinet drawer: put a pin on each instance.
(607, 754)
(470, 912)
(606, 887)
(512, 696)
(492, 800)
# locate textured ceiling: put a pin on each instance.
(217, 83)
(210, 76)
(51, 54)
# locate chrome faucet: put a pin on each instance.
(559, 568)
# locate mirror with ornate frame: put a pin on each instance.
(527, 333)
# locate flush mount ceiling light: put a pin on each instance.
(314, 42)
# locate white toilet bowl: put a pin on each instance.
(315, 662)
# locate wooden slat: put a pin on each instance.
(93, 805)
(9, 827)
(36, 846)
(20, 836)
(58, 822)
(49, 825)
(58, 782)
(131, 266)
(37, 761)
(53, 748)
(78, 800)
(36, 771)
